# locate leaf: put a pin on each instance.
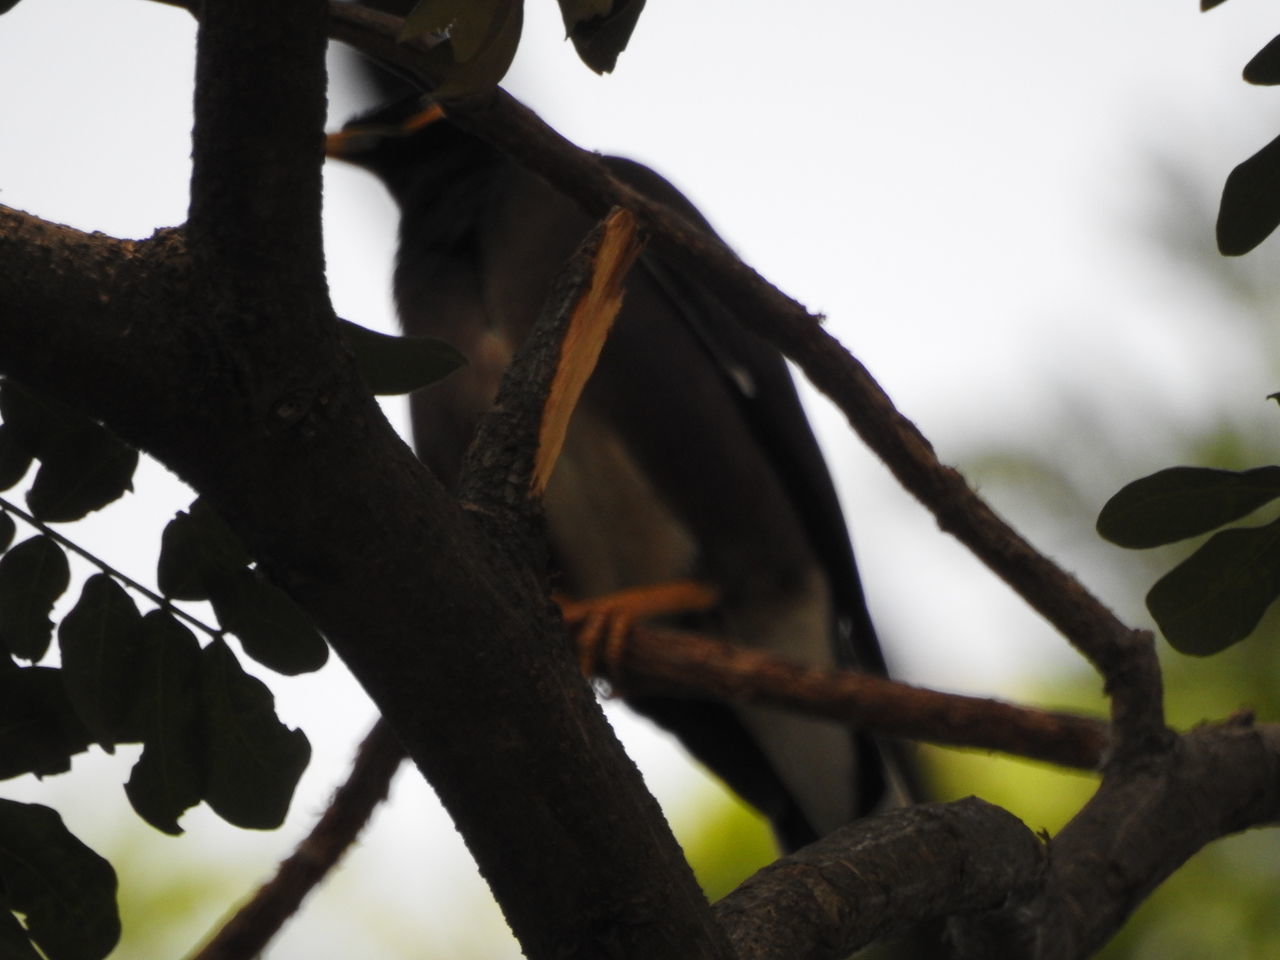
(7, 5)
(100, 645)
(481, 41)
(1184, 502)
(82, 470)
(1210, 4)
(83, 465)
(32, 577)
(463, 23)
(39, 730)
(1216, 596)
(254, 760)
(1250, 207)
(1264, 68)
(272, 628)
(15, 459)
(600, 30)
(14, 942)
(65, 890)
(7, 529)
(395, 365)
(196, 549)
(169, 777)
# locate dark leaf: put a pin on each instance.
(479, 42)
(394, 365)
(15, 459)
(32, 576)
(196, 548)
(14, 942)
(1210, 4)
(65, 890)
(271, 627)
(254, 760)
(83, 465)
(1216, 596)
(7, 5)
(169, 776)
(7, 529)
(1184, 502)
(1264, 68)
(82, 470)
(39, 730)
(1250, 206)
(600, 29)
(100, 644)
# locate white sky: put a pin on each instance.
(963, 190)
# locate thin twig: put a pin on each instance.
(160, 601)
(678, 663)
(248, 932)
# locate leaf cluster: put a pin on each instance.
(471, 43)
(1217, 596)
(208, 730)
(1250, 208)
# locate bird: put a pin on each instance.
(688, 458)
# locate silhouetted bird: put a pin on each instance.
(689, 456)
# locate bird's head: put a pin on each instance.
(412, 148)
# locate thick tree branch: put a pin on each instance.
(238, 389)
(1146, 819)
(883, 876)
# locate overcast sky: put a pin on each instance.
(967, 191)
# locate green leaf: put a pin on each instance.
(1184, 502)
(82, 470)
(169, 777)
(1250, 207)
(65, 890)
(100, 645)
(39, 730)
(7, 5)
(272, 628)
(7, 529)
(394, 365)
(480, 42)
(254, 760)
(196, 549)
(15, 459)
(600, 29)
(1216, 597)
(1264, 68)
(32, 577)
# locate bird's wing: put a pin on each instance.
(767, 396)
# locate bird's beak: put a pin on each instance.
(351, 142)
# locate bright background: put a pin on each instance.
(1005, 210)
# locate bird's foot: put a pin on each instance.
(601, 624)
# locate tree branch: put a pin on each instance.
(1144, 822)
(882, 876)
(254, 403)
(253, 926)
(678, 663)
